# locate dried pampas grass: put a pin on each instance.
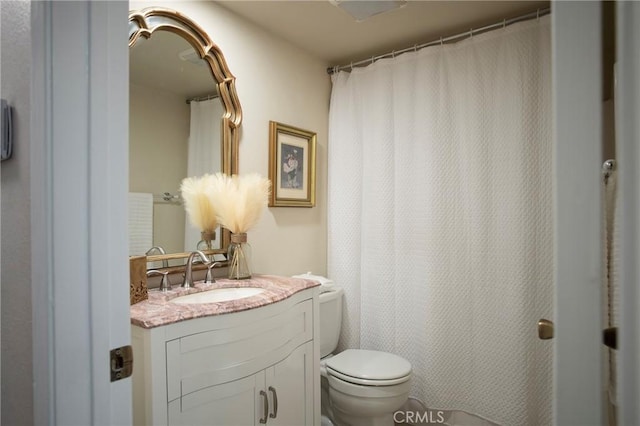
(239, 200)
(198, 203)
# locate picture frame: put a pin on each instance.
(292, 166)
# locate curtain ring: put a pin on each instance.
(538, 14)
(393, 53)
(441, 41)
(373, 59)
(351, 67)
(504, 23)
(415, 47)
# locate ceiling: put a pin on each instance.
(156, 63)
(323, 30)
(329, 33)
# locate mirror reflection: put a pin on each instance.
(175, 132)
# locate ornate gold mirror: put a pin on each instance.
(184, 121)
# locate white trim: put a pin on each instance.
(577, 104)
(41, 230)
(627, 96)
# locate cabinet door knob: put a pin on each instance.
(265, 399)
(275, 402)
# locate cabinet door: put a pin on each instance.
(235, 403)
(290, 388)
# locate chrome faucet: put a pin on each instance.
(154, 249)
(160, 250)
(188, 279)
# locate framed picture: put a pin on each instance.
(292, 166)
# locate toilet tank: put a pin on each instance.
(330, 319)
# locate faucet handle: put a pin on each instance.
(165, 285)
(209, 278)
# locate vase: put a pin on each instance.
(239, 257)
(206, 240)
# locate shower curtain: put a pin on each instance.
(204, 152)
(440, 218)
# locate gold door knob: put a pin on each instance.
(545, 329)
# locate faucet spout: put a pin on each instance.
(159, 250)
(154, 249)
(188, 275)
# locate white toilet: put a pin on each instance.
(359, 387)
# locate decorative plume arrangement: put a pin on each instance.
(239, 200)
(236, 202)
(196, 193)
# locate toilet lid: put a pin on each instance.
(370, 365)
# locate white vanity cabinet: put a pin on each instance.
(259, 366)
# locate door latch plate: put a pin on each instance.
(121, 362)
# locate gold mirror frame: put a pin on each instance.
(143, 23)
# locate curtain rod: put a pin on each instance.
(441, 40)
(203, 98)
(167, 197)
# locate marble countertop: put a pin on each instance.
(158, 309)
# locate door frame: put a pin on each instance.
(627, 106)
(79, 149)
(577, 102)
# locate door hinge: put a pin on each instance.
(121, 362)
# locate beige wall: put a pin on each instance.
(275, 81)
(17, 348)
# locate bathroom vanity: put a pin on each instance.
(241, 361)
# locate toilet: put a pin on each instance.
(359, 387)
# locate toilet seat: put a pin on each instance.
(367, 382)
(369, 368)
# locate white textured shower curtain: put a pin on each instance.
(440, 218)
(204, 153)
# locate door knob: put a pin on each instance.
(545, 329)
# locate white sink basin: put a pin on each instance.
(218, 295)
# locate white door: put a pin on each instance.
(577, 112)
(79, 150)
(577, 103)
